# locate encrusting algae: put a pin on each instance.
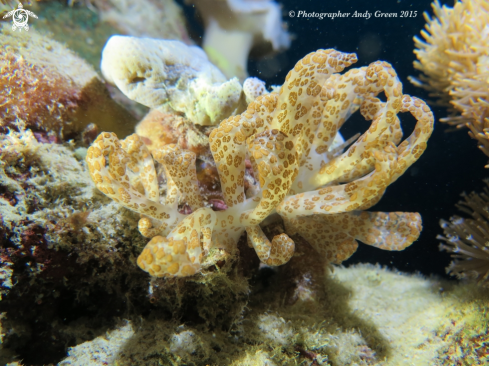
(47, 88)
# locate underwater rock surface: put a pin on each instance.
(368, 316)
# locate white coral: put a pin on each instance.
(170, 76)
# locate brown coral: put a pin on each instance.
(468, 239)
(30, 90)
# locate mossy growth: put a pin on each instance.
(65, 248)
(363, 315)
(215, 298)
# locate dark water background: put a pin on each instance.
(452, 163)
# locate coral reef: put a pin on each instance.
(47, 88)
(68, 253)
(235, 27)
(291, 139)
(468, 239)
(362, 315)
(170, 76)
(278, 170)
(454, 60)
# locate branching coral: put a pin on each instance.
(468, 239)
(454, 58)
(292, 140)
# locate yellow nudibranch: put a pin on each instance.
(291, 138)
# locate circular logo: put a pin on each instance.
(291, 13)
(20, 18)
